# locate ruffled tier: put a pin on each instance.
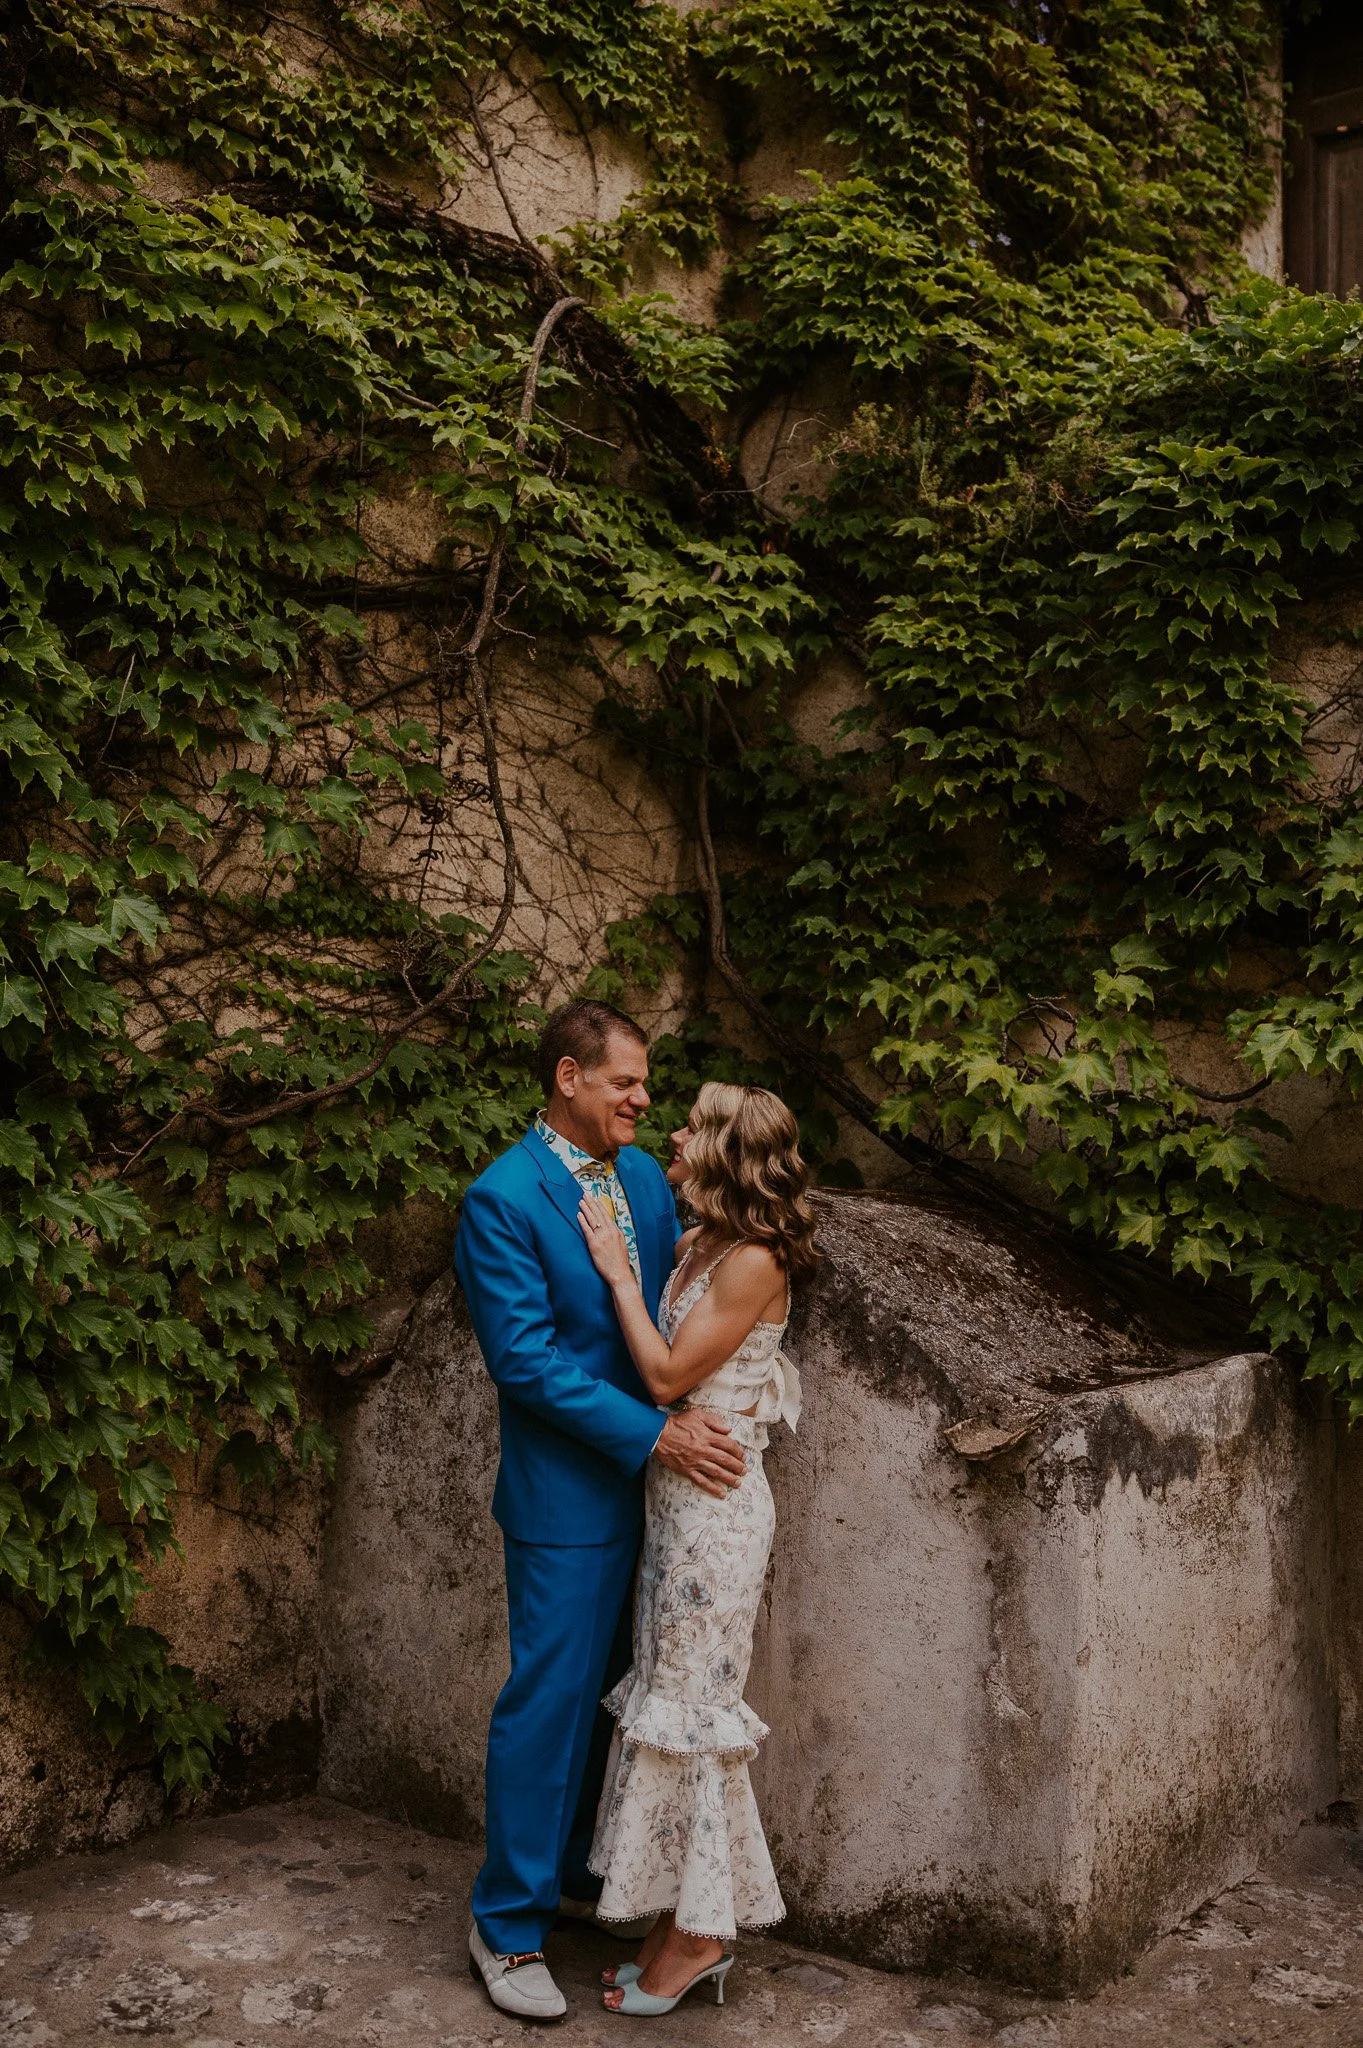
(680, 1833)
(680, 1728)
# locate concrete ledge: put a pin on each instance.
(1027, 1709)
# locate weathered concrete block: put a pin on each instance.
(1027, 1708)
(240, 1607)
(1348, 1597)
(413, 1627)
(1044, 1703)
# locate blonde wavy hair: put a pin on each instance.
(744, 1174)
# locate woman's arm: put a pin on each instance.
(749, 1281)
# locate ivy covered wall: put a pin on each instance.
(794, 514)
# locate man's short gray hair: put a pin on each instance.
(581, 1031)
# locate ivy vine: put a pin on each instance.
(1080, 469)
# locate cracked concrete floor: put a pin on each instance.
(250, 1929)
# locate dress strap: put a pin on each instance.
(706, 1271)
(733, 1247)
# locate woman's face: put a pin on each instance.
(676, 1172)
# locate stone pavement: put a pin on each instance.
(312, 1919)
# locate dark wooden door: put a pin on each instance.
(1339, 215)
(1324, 69)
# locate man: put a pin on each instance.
(577, 1430)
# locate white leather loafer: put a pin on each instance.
(518, 1984)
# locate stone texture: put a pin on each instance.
(1047, 1654)
(1348, 1600)
(1027, 1709)
(1157, 1518)
(413, 1635)
(241, 1609)
(378, 1960)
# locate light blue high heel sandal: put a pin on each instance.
(643, 2005)
(625, 1973)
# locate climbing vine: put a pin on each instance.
(1074, 469)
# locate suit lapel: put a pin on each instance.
(632, 1174)
(562, 1190)
(566, 1194)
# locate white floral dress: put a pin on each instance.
(678, 1825)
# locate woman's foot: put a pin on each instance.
(652, 1942)
(677, 1960)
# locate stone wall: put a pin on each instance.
(958, 1782)
(241, 1609)
(1347, 1590)
(1052, 1649)
(1046, 1651)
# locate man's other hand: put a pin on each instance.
(701, 1447)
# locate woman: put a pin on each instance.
(678, 1833)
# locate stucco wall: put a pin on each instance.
(1025, 1710)
(1028, 1707)
(1348, 1597)
(954, 1779)
(241, 1609)
(598, 834)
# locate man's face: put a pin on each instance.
(598, 1107)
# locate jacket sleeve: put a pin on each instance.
(509, 1303)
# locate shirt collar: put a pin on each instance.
(572, 1156)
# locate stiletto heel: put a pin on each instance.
(642, 2005)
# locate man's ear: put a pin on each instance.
(566, 1076)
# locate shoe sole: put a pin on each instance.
(535, 2019)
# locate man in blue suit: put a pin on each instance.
(577, 1430)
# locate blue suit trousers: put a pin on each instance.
(569, 1610)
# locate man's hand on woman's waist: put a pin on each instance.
(701, 1448)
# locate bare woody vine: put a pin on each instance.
(1082, 470)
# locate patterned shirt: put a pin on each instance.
(595, 1178)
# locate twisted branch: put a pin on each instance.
(802, 1057)
(467, 656)
(969, 1183)
(593, 348)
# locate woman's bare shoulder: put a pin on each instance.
(749, 1270)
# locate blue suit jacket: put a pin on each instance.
(577, 1421)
